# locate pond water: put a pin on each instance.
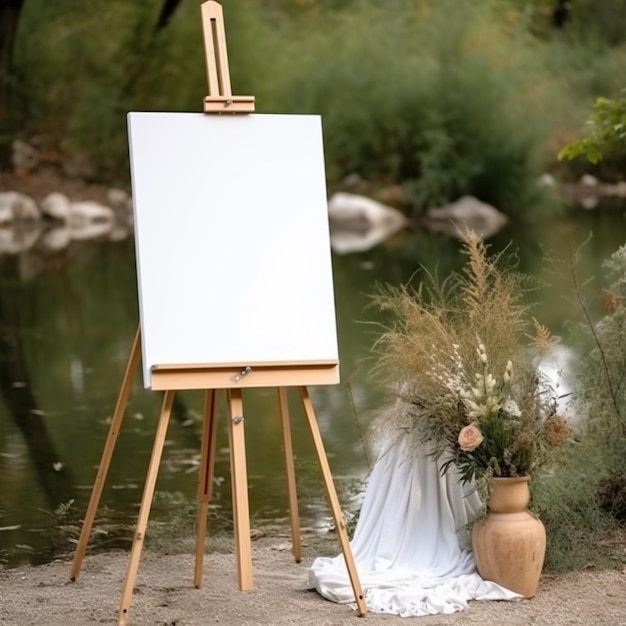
(67, 323)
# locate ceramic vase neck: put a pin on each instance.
(509, 495)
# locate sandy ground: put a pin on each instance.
(165, 595)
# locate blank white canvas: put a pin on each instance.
(232, 239)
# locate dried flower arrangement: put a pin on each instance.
(468, 392)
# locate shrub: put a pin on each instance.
(434, 103)
(446, 98)
(584, 501)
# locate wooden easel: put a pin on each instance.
(212, 377)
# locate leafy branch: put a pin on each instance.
(606, 132)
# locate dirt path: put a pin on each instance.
(164, 594)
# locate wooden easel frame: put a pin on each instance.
(238, 479)
(220, 98)
(211, 378)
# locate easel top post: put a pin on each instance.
(220, 98)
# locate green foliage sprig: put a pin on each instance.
(606, 135)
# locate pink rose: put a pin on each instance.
(470, 438)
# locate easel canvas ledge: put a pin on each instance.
(225, 376)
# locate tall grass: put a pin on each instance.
(577, 529)
(584, 502)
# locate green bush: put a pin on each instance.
(75, 64)
(434, 96)
(567, 503)
(443, 97)
(582, 502)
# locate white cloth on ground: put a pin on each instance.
(411, 545)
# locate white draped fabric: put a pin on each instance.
(411, 545)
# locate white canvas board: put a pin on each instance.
(232, 239)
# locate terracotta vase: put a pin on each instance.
(509, 544)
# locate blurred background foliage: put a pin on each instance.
(440, 97)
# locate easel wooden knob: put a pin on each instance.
(220, 98)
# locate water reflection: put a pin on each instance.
(18, 394)
(67, 323)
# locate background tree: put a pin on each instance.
(10, 11)
(437, 97)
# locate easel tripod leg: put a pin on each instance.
(333, 500)
(294, 516)
(107, 454)
(144, 509)
(205, 483)
(239, 479)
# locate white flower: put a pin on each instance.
(482, 353)
(511, 407)
(474, 410)
(508, 372)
